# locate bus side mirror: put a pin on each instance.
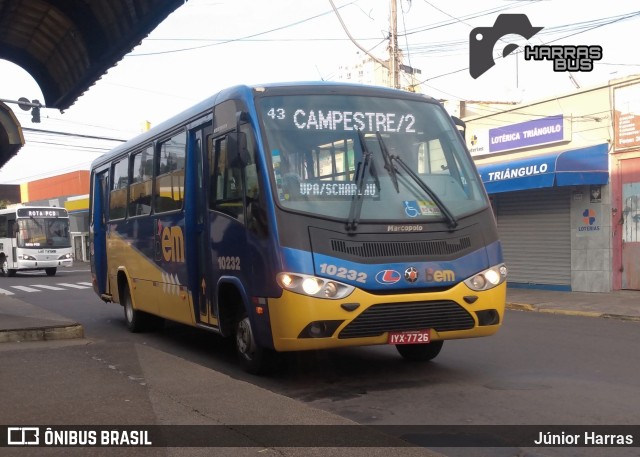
(461, 125)
(237, 152)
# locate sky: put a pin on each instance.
(207, 45)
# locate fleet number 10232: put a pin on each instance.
(229, 263)
(342, 272)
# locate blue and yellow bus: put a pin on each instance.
(299, 217)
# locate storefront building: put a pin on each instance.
(564, 179)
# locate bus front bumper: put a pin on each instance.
(41, 264)
(300, 322)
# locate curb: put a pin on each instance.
(52, 333)
(565, 312)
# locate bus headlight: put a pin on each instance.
(488, 279)
(65, 257)
(26, 257)
(313, 286)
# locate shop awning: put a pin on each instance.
(568, 168)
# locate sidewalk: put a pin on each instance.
(23, 322)
(620, 304)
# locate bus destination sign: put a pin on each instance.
(40, 212)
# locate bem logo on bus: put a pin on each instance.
(388, 277)
(439, 275)
(172, 244)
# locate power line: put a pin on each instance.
(67, 147)
(76, 135)
(302, 21)
(468, 16)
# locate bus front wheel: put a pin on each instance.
(420, 352)
(253, 358)
(6, 271)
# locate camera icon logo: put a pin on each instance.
(483, 39)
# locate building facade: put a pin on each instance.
(368, 71)
(563, 176)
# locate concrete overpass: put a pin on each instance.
(67, 45)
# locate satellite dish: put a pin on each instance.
(24, 104)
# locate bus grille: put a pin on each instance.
(441, 315)
(401, 248)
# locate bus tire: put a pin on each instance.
(4, 268)
(51, 271)
(253, 358)
(420, 352)
(138, 321)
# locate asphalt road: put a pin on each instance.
(539, 369)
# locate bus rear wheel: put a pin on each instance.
(253, 358)
(51, 271)
(420, 352)
(137, 321)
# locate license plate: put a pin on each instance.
(413, 337)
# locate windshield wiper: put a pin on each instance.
(389, 159)
(361, 171)
(388, 162)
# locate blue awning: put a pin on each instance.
(568, 168)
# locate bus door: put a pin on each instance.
(204, 284)
(98, 230)
(227, 235)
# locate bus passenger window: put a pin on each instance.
(141, 180)
(170, 160)
(118, 195)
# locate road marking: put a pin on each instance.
(25, 288)
(6, 292)
(73, 286)
(43, 286)
(86, 284)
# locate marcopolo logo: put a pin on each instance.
(565, 58)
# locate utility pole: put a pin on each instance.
(395, 57)
(394, 52)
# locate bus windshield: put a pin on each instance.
(404, 158)
(37, 232)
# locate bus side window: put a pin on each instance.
(141, 180)
(256, 213)
(229, 189)
(118, 196)
(170, 162)
(4, 227)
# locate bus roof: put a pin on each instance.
(249, 91)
